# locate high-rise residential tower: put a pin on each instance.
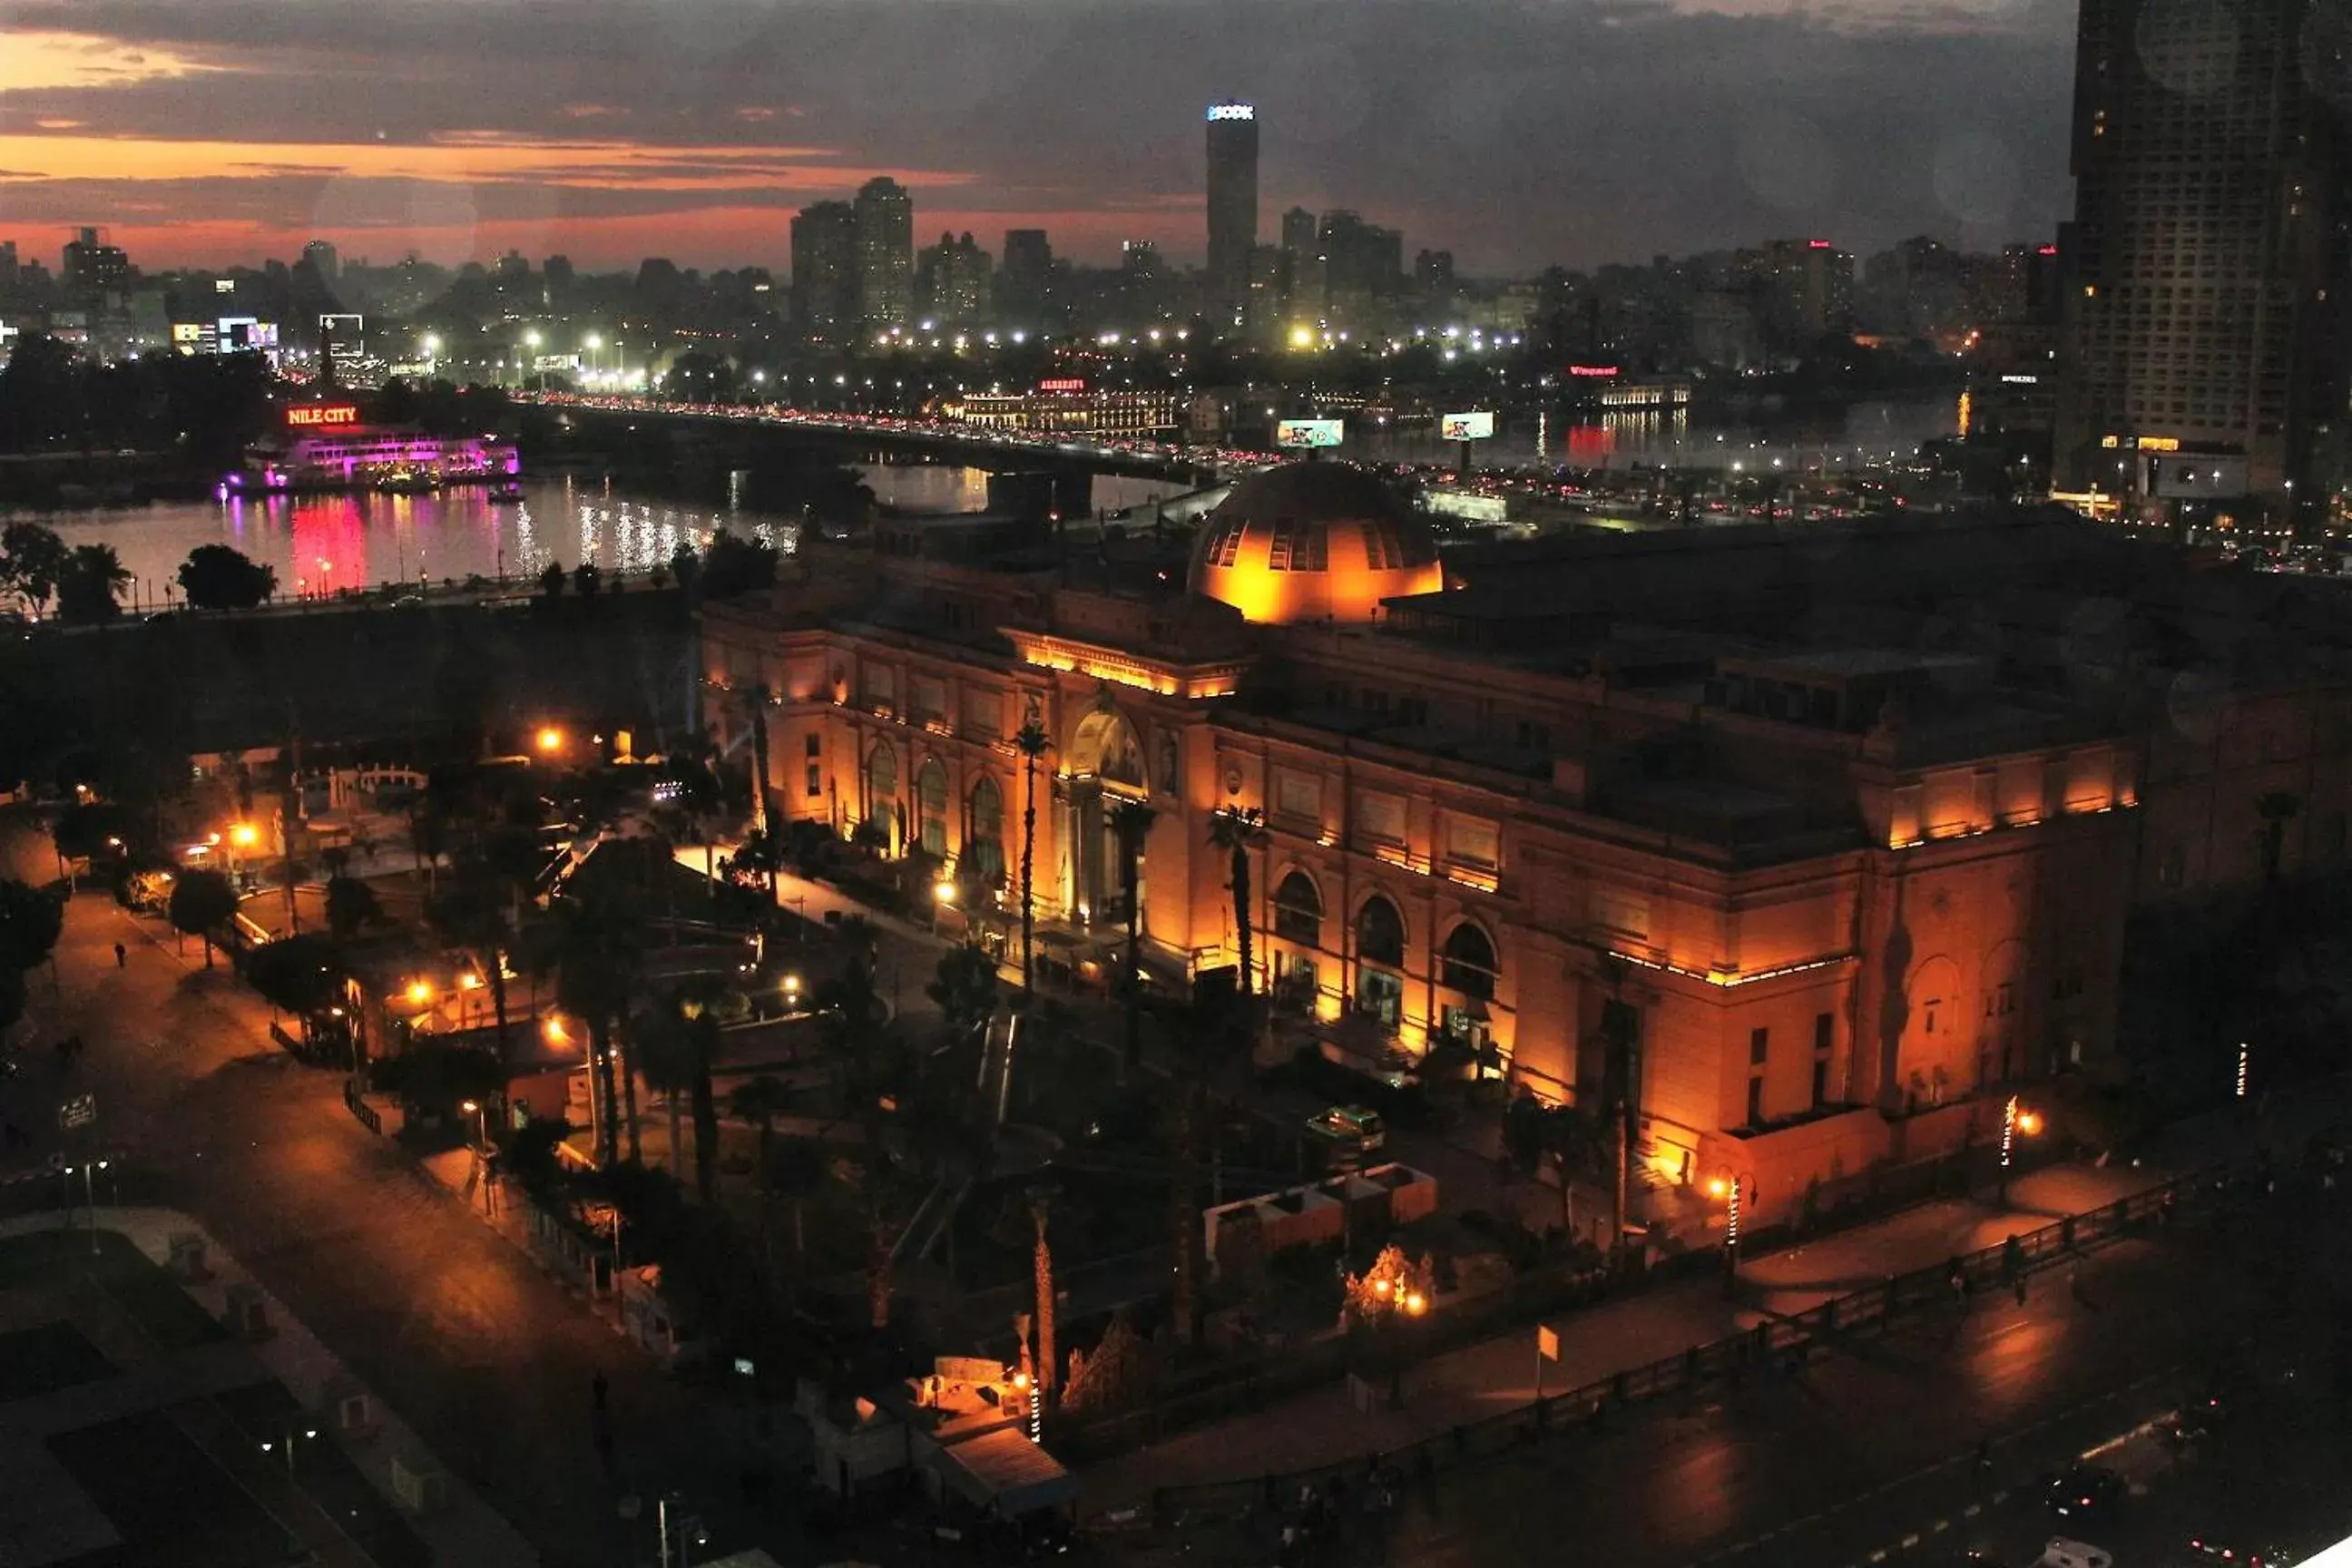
(885, 254)
(2201, 356)
(1233, 203)
(1022, 282)
(825, 268)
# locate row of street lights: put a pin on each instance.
(1737, 1191)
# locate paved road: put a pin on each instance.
(490, 1361)
(1874, 1446)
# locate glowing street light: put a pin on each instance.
(244, 835)
(420, 992)
(551, 739)
(2016, 1122)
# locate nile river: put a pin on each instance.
(337, 541)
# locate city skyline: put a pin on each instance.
(1518, 144)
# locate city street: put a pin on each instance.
(1870, 1453)
(490, 1361)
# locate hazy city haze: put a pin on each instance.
(1519, 135)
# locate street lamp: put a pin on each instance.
(481, 1115)
(275, 1445)
(2016, 1122)
(1735, 1191)
(551, 739)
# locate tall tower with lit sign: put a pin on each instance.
(1233, 205)
(2206, 274)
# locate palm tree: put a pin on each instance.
(760, 1101)
(428, 837)
(91, 583)
(595, 954)
(667, 1058)
(1237, 830)
(1131, 821)
(797, 1170)
(1041, 1204)
(1576, 1144)
(350, 904)
(754, 699)
(1030, 739)
(473, 913)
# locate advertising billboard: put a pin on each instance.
(1308, 432)
(1232, 111)
(240, 332)
(1466, 426)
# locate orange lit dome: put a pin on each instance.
(1314, 541)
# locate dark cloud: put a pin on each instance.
(1517, 131)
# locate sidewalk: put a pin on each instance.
(1499, 1374)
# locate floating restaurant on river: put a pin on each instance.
(327, 446)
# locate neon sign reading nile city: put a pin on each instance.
(311, 416)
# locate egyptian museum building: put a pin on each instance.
(1847, 895)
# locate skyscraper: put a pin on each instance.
(1023, 281)
(886, 253)
(1233, 203)
(2206, 269)
(92, 267)
(321, 256)
(825, 268)
(952, 281)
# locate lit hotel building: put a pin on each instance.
(2201, 354)
(1066, 405)
(1233, 205)
(1847, 895)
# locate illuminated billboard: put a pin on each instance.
(1232, 111)
(1308, 432)
(1466, 426)
(240, 332)
(322, 415)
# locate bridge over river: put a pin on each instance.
(745, 432)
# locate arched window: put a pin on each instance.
(931, 802)
(1379, 933)
(881, 783)
(983, 845)
(1467, 965)
(1298, 911)
(1107, 748)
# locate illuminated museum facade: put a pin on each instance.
(1847, 897)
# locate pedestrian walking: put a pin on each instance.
(2018, 1285)
(121, 956)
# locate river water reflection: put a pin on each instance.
(344, 540)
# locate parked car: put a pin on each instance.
(1349, 1129)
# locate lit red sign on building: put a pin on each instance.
(1071, 384)
(1595, 370)
(316, 415)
